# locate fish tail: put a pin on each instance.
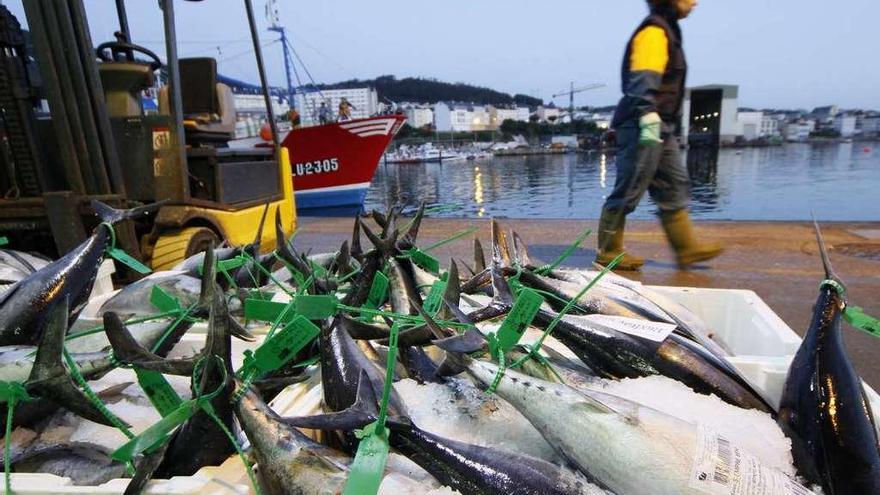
(823, 253)
(113, 215)
(50, 378)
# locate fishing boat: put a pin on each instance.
(333, 164)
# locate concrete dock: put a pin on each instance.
(777, 260)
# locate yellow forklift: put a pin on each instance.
(97, 142)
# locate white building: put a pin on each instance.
(799, 131)
(480, 118)
(247, 105)
(845, 125)
(497, 115)
(364, 101)
(711, 111)
(548, 114)
(419, 116)
(749, 125)
(452, 117)
(769, 126)
(756, 125)
(871, 125)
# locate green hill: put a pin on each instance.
(419, 90)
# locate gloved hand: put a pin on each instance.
(649, 129)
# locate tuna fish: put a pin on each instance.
(24, 307)
(824, 409)
(628, 449)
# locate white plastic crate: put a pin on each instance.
(763, 344)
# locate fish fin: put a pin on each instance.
(384, 245)
(209, 278)
(432, 325)
(342, 261)
(823, 253)
(380, 219)
(147, 465)
(360, 330)
(258, 239)
(112, 215)
(467, 267)
(238, 331)
(452, 292)
(477, 282)
(114, 390)
(501, 288)
(522, 251)
(500, 247)
(129, 351)
(356, 249)
(358, 415)
(466, 343)
(50, 378)
(457, 312)
(593, 405)
(479, 256)
(413, 232)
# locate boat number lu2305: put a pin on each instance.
(316, 167)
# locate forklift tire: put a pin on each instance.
(174, 247)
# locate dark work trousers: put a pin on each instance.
(656, 169)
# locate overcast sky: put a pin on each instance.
(782, 53)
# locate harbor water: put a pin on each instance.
(839, 182)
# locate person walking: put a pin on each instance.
(648, 126)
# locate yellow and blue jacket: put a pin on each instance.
(654, 72)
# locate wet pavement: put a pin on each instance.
(777, 260)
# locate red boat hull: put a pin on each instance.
(333, 164)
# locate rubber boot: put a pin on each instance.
(611, 227)
(680, 231)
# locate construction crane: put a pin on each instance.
(571, 92)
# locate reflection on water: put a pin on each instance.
(702, 166)
(838, 182)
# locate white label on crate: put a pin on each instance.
(650, 330)
(723, 468)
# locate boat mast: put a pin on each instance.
(275, 25)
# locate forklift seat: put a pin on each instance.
(208, 106)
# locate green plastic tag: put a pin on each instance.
(279, 349)
(4, 240)
(261, 310)
(163, 300)
(157, 433)
(159, 391)
(435, 297)
(312, 307)
(124, 258)
(520, 317)
(261, 295)
(424, 260)
(320, 271)
(316, 307)
(231, 264)
(856, 317)
(368, 467)
(378, 290)
(13, 391)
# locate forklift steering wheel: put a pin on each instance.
(119, 46)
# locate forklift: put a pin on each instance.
(97, 142)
